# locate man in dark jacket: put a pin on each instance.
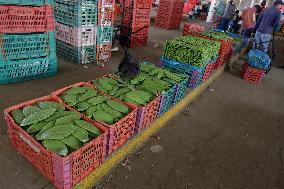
(228, 15)
(266, 23)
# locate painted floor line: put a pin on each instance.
(137, 141)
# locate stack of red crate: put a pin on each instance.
(136, 21)
(169, 14)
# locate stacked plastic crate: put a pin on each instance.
(105, 27)
(27, 40)
(136, 21)
(169, 14)
(192, 28)
(76, 29)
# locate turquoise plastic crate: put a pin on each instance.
(26, 46)
(180, 92)
(22, 70)
(78, 55)
(167, 100)
(76, 13)
(26, 2)
(104, 35)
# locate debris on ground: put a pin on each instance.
(156, 45)
(156, 148)
(209, 89)
(86, 67)
(156, 137)
(186, 111)
(100, 64)
(126, 163)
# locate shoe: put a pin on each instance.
(114, 49)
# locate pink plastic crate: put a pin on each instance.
(79, 37)
(120, 132)
(106, 3)
(63, 172)
(147, 114)
(26, 19)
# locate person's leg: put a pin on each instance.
(222, 25)
(226, 26)
(256, 40)
(265, 39)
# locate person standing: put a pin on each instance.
(228, 16)
(236, 22)
(266, 23)
(190, 14)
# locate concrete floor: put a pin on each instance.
(231, 137)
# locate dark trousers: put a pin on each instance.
(224, 24)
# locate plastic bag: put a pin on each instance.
(129, 67)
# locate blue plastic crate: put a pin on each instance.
(22, 70)
(193, 73)
(76, 13)
(26, 46)
(26, 2)
(180, 67)
(104, 35)
(79, 55)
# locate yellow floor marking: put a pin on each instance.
(134, 143)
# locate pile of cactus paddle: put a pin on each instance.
(150, 82)
(58, 129)
(191, 50)
(95, 105)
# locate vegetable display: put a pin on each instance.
(191, 50)
(216, 35)
(150, 82)
(95, 105)
(57, 129)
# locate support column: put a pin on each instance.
(211, 12)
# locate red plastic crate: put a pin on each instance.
(145, 114)
(105, 17)
(224, 51)
(138, 4)
(169, 14)
(144, 4)
(120, 132)
(136, 16)
(253, 75)
(63, 172)
(192, 28)
(140, 38)
(208, 70)
(24, 19)
(140, 31)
